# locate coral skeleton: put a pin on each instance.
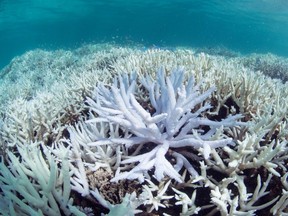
(154, 201)
(188, 204)
(171, 126)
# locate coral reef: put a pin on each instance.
(271, 65)
(130, 132)
(172, 125)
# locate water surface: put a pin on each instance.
(245, 26)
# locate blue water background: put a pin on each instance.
(241, 25)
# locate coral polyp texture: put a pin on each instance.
(122, 131)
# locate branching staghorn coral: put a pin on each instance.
(32, 186)
(240, 201)
(171, 126)
(234, 179)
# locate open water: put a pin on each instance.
(245, 26)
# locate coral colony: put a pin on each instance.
(109, 130)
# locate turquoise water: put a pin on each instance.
(244, 26)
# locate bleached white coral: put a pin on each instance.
(127, 207)
(155, 201)
(188, 204)
(280, 208)
(57, 120)
(32, 186)
(176, 122)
